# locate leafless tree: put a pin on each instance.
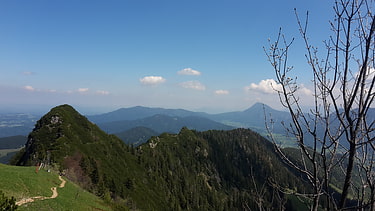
(337, 135)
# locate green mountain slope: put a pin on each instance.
(217, 170)
(191, 170)
(69, 142)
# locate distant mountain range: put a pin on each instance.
(139, 112)
(163, 123)
(171, 120)
(252, 117)
(134, 125)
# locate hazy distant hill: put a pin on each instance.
(137, 135)
(254, 117)
(140, 112)
(191, 170)
(139, 131)
(162, 123)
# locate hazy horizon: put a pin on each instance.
(42, 109)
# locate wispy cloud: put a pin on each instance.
(193, 85)
(83, 90)
(221, 92)
(267, 86)
(189, 71)
(152, 80)
(29, 88)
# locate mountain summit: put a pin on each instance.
(59, 134)
(258, 107)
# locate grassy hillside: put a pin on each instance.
(24, 182)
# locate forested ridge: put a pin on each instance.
(219, 170)
(191, 170)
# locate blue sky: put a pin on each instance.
(202, 55)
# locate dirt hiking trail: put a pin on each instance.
(54, 194)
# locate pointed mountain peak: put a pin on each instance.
(258, 107)
(64, 106)
(61, 114)
(61, 111)
(60, 132)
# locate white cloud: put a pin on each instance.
(370, 74)
(370, 70)
(305, 91)
(189, 71)
(267, 86)
(83, 90)
(102, 92)
(270, 86)
(193, 85)
(29, 88)
(152, 80)
(222, 92)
